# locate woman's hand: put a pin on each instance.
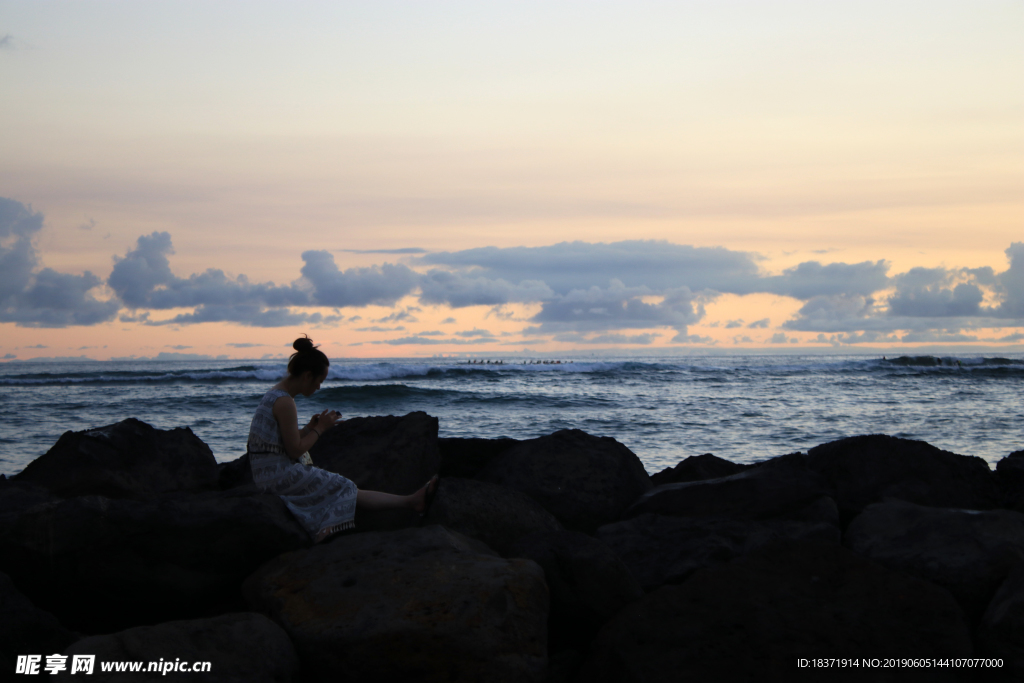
(323, 421)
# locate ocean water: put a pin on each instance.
(743, 408)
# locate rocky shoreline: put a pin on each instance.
(550, 559)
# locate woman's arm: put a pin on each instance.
(296, 442)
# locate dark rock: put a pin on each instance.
(697, 468)
(494, 514)
(965, 551)
(866, 469)
(26, 629)
(466, 457)
(752, 618)
(1001, 633)
(660, 549)
(562, 666)
(585, 481)
(1010, 475)
(417, 604)
(129, 459)
(101, 564)
(241, 648)
(17, 498)
(589, 584)
(235, 473)
(390, 454)
(779, 489)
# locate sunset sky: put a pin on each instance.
(419, 178)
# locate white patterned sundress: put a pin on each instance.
(323, 502)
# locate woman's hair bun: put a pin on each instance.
(303, 344)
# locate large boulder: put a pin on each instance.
(465, 457)
(26, 629)
(1010, 475)
(240, 648)
(101, 564)
(129, 459)
(1001, 632)
(496, 515)
(968, 552)
(866, 469)
(589, 584)
(423, 604)
(752, 619)
(780, 488)
(697, 468)
(661, 549)
(390, 454)
(585, 481)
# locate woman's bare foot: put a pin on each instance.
(425, 496)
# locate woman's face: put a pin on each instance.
(312, 382)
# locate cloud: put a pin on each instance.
(247, 314)
(9, 356)
(732, 324)
(405, 250)
(459, 290)
(398, 316)
(616, 307)
(930, 336)
(931, 292)
(431, 341)
(656, 264)
(1010, 284)
(645, 338)
(1015, 337)
(380, 285)
(7, 42)
(475, 332)
(143, 279)
(46, 297)
(243, 345)
(759, 324)
(377, 328)
(811, 279)
(742, 339)
(178, 347)
(449, 321)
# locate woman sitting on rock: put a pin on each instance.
(323, 502)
